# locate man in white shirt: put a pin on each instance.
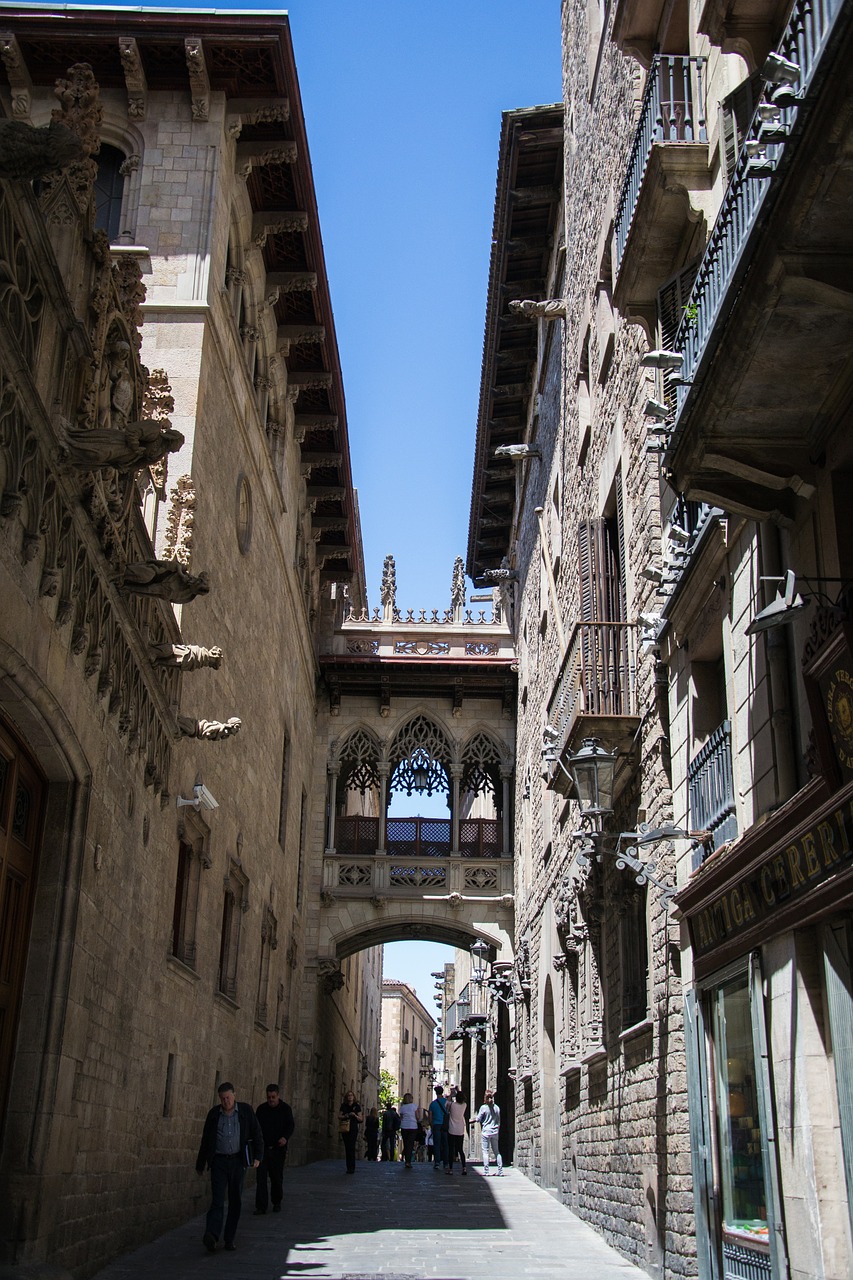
(489, 1120)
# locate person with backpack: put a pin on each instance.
(489, 1120)
(439, 1120)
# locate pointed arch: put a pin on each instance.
(420, 756)
(358, 759)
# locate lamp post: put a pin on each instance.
(593, 771)
(479, 957)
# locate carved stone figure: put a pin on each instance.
(210, 730)
(549, 309)
(165, 579)
(27, 153)
(139, 444)
(187, 657)
(457, 587)
(115, 394)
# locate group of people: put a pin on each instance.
(236, 1138)
(441, 1129)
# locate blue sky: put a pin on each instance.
(403, 105)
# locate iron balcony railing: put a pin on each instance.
(598, 676)
(805, 39)
(419, 837)
(711, 793)
(672, 111)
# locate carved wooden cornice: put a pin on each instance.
(270, 222)
(254, 155)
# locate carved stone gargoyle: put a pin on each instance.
(166, 579)
(549, 309)
(187, 657)
(27, 153)
(331, 976)
(210, 730)
(139, 444)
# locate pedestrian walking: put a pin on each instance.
(410, 1117)
(349, 1119)
(457, 1129)
(438, 1121)
(429, 1141)
(276, 1120)
(390, 1125)
(231, 1141)
(489, 1120)
(371, 1134)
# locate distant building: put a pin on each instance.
(408, 1035)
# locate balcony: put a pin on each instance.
(595, 694)
(767, 343)
(372, 875)
(711, 792)
(667, 183)
(419, 837)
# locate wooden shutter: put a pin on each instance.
(736, 112)
(672, 299)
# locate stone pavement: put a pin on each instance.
(384, 1223)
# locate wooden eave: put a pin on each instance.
(359, 675)
(248, 55)
(527, 203)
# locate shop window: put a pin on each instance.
(743, 1189)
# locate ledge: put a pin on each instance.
(225, 1002)
(638, 1029)
(181, 970)
(599, 1054)
(572, 1068)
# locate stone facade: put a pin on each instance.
(407, 1030)
(166, 944)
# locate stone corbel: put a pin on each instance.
(271, 222)
(243, 111)
(309, 461)
(255, 155)
(199, 79)
(134, 78)
(331, 976)
(19, 77)
(292, 281)
(290, 335)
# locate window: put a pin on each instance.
(109, 189)
(269, 943)
(300, 870)
(634, 959)
(244, 514)
(584, 401)
(736, 112)
(235, 902)
(185, 909)
(285, 787)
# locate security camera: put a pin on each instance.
(202, 799)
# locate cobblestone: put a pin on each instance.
(389, 1224)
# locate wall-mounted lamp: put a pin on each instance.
(787, 604)
(780, 70)
(670, 361)
(479, 958)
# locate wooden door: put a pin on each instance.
(22, 791)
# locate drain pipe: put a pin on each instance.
(778, 650)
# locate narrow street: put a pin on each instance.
(390, 1223)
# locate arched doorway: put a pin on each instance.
(22, 792)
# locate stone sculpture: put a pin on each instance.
(187, 657)
(27, 153)
(549, 309)
(209, 730)
(166, 579)
(139, 444)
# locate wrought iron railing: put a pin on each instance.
(418, 837)
(804, 42)
(672, 111)
(711, 793)
(598, 676)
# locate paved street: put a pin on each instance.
(386, 1222)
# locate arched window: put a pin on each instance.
(420, 758)
(109, 189)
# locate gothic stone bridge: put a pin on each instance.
(418, 707)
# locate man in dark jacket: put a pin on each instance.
(231, 1141)
(276, 1120)
(390, 1125)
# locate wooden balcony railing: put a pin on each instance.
(598, 676)
(418, 837)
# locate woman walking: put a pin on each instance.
(410, 1117)
(457, 1129)
(489, 1120)
(371, 1135)
(349, 1119)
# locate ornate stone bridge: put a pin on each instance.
(418, 705)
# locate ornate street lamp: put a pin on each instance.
(593, 770)
(479, 958)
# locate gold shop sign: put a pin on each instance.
(786, 874)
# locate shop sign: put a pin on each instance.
(789, 872)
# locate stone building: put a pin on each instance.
(664, 424)
(170, 537)
(408, 1031)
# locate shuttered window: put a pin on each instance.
(736, 112)
(601, 560)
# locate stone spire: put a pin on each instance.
(457, 589)
(388, 590)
